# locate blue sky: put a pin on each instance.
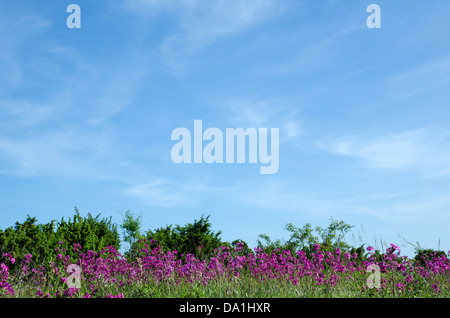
(86, 115)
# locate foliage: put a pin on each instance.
(242, 246)
(191, 261)
(29, 237)
(91, 233)
(423, 255)
(131, 227)
(44, 241)
(306, 237)
(195, 238)
(226, 274)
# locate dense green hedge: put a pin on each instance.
(45, 241)
(195, 238)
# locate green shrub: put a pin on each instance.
(91, 233)
(423, 255)
(41, 240)
(28, 237)
(131, 226)
(194, 238)
(306, 237)
(244, 247)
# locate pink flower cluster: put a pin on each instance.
(5, 287)
(108, 267)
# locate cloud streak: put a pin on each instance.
(166, 194)
(425, 150)
(65, 131)
(202, 23)
(258, 112)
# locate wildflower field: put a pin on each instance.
(80, 258)
(226, 273)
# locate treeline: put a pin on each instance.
(46, 241)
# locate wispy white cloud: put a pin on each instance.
(165, 193)
(405, 206)
(16, 31)
(309, 54)
(20, 114)
(426, 150)
(264, 113)
(65, 131)
(65, 154)
(144, 6)
(66, 135)
(202, 23)
(425, 77)
(116, 93)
